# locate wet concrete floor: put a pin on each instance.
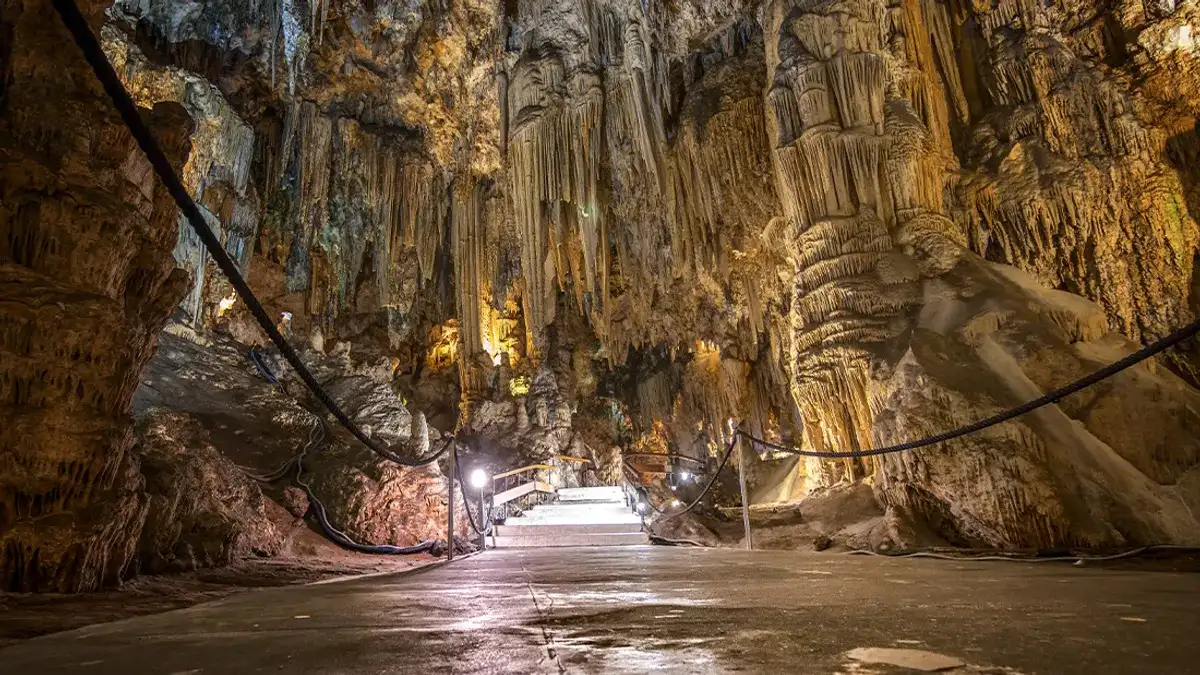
(644, 609)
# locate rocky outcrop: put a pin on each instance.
(203, 510)
(1078, 138)
(373, 499)
(885, 291)
(258, 426)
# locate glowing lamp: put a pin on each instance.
(479, 478)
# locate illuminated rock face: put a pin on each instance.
(891, 313)
(574, 225)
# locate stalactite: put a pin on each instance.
(315, 155)
(554, 164)
(718, 187)
(469, 241)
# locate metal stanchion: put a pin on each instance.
(479, 481)
(483, 521)
(494, 526)
(450, 511)
(745, 500)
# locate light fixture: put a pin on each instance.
(226, 304)
(479, 479)
(684, 476)
(676, 502)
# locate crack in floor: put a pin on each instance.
(543, 619)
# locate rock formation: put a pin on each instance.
(203, 510)
(88, 281)
(564, 227)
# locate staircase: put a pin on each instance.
(597, 516)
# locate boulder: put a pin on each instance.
(203, 510)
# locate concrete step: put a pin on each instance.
(547, 541)
(579, 509)
(594, 494)
(523, 530)
(593, 519)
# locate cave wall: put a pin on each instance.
(585, 224)
(86, 234)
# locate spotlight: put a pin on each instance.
(676, 502)
(684, 476)
(479, 479)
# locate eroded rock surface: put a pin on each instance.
(203, 510)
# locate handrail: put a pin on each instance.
(568, 458)
(524, 469)
(666, 456)
(502, 498)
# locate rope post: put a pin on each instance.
(482, 521)
(742, 483)
(494, 526)
(450, 511)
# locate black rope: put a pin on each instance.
(86, 40)
(481, 530)
(1185, 333)
(711, 481)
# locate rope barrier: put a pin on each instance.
(85, 39)
(711, 481)
(486, 528)
(1185, 333)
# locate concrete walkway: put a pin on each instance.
(643, 609)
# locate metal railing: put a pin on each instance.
(518, 490)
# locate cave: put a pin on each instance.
(744, 275)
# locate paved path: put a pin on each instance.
(648, 609)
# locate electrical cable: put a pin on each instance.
(664, 541)
(85, 39)
(256, 357)
(1029, 559)
(317, 436)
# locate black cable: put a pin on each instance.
(1132, 553)
(316, 437)
(86, 40)
(486, 528)
(1187, 332)
(260, 364)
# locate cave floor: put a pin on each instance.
(642, 609)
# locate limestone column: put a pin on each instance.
(86, 284)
